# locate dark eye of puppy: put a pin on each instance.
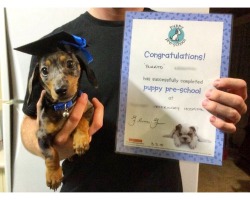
(44, 71)
(70, 64)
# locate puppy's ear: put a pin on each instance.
(33, 79)
(89, 72)
(178, 127)
(177, 130)
(192, 128)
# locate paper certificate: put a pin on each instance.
(169, 62)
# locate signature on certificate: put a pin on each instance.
(139, 120)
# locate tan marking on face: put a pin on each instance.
(47, 63)
(73, 84)
(62, 58)
(79, 67)
(51, 89)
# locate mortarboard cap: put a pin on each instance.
(65, 42)
(52, 43)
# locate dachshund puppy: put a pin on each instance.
(59, 72)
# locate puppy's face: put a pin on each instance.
(59, 73)
(187, 136)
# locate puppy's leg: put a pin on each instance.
(81, 138)
(193, 142)
(52, 162)
(177, 141)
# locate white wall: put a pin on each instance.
(24, 26)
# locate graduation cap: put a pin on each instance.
(52, 43)
(65, 42)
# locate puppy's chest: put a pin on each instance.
(52, 121)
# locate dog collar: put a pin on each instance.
(64, 106)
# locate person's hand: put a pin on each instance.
(63, 141)
(226, 103)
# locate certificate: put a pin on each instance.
(169, 61)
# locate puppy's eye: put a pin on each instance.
(44, 71)
(70, 64)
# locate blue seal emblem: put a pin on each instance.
(176, 35)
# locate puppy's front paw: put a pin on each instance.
(193, 145)
(81, 143)
(54, 178)
(177, 142)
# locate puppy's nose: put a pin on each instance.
(61, 91)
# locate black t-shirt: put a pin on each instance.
(101, 169)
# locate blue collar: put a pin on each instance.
(63, 105)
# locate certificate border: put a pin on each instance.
(225, 59)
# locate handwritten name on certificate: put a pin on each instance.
(169, 62)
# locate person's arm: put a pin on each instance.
(226, 103)
(62, 141)
(29, 128)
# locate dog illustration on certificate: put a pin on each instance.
(185, 135)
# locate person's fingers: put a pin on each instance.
(39, 104)
(226, 103)
(232, 85)
(73, 120)
(97, 118)
(227, 113)
(228, 99)
(222, 125)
